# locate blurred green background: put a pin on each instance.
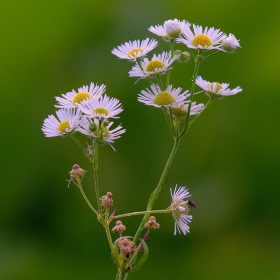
(229, 160)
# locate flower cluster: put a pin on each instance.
(87, 111)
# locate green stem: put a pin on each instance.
(80, 145)
(143, 212)
(156, 192)
(106, 226)
(194, 119)
(212, 54)
(121, 275)
(191, 96)
(95, 179)
(84, 196)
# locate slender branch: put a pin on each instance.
(166, 211)
(156, 192)
(84, 195)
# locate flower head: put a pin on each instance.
(67, 122)
(180, 110)
(230, 43)
(134, 50)
(107, 200)
(170, 30)
(73, 98)
(108, 135)
(158, 98)
(208, 39)
(181, 210)
(119, 227)
(215, 89)
(102, 108)
(158, 65)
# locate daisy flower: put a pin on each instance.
(181, 218)
(109, 135)
(73, 98)
(158, 65)
(158, 98)
(170, 30)
(204, 40)
(180, 110)
(102, 108)
(230, 43)
(215, 89)
(134, 50)
(67, 122)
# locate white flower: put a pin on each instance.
(68, 121)
(73, 98)
(230, 44)
(102, 108)
(107, 134)
(158, 98)
(205, 40)
(170, 30)
(180, 205)
(134, 50)
(180, 110)
(215, 89)
(158, 65)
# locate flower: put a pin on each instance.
(180, 110)
(230, 44)
(102, 108)
(107, 200)
(158, 65)
(73, 98)
(134, 50)
(170, 30)
(181, 210)
(68, 121)
(158, 98)
(215, 89)
(119, 227)
(205, 40)
(107, 134)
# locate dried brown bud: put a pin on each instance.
(119, 227)
(106, 200)
(77, 171)
(126, 247)
(152, 223)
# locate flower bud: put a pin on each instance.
(152, 223)
(119, 227)
(92, 127)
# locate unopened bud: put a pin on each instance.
(92, 127)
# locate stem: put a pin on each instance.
(142, 213)
(191, 96)
(169, 71)
(95, 179)
(80, 145)
(84, 196)
(212, 54)
(156, 192)
(195, 118)
(106, 226)
(121, 275)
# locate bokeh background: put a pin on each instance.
(229, 160)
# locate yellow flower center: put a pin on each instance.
(79, 97)
(217, 85)
(101, 111)
(154, 64)
(202, 40)
(178, 112)
(63, 126)
(164, 98)
(134, 52)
